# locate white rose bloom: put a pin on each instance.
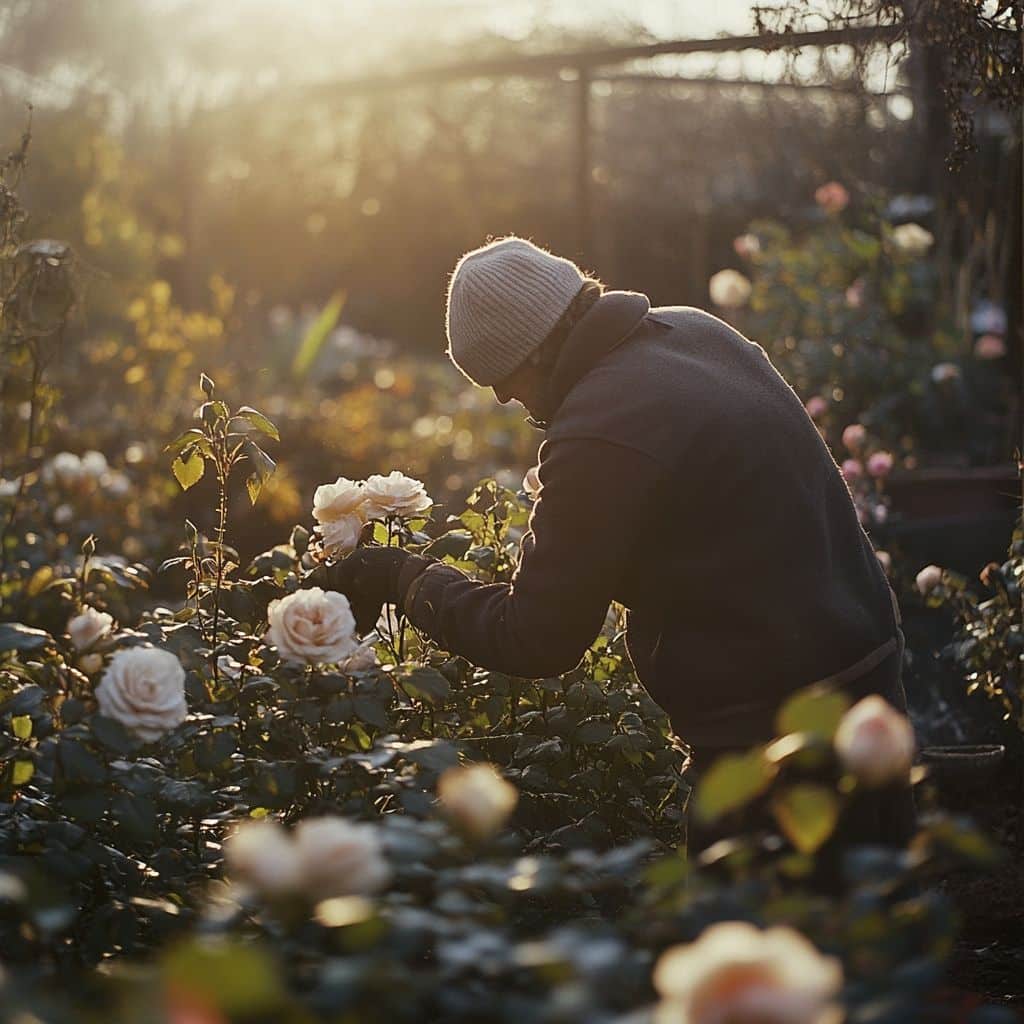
(143, 688)
(531, 483)
(736, 972)
(942, 372)
(262, 856)
(340, 537)
(312, 626)
(94, 464)
(65, 468)
(339, 500)
(89, 626)
(729, 289)
(9, 488)
(90, 663)
(362, 659)
(477, 798)
(338, 857)
(912, 239)
(928, 579)
(395, 495)
(875, 742)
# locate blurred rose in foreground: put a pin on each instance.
(928, 579)
(832, 197)
(875, 742)
(477, 798)
(737, 974)
(990, 346)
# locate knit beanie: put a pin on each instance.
(503, 300)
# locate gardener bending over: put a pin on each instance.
(681, 476)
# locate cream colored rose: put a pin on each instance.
(338, 857)
(736, 972)
(94, 464)
(230, 667)
(88, 627)
(912, 239)
(90, 664)
(65, 468)
(312, 626)
(262, 856)
(477, 798)
(143, 688)
(340, 537)
(729, 289)
(928, 579)
(395, 495)
(875, 742)
(884, 560)
(338, 500)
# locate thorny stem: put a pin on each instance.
(222, 515)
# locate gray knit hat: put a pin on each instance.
(503, 300)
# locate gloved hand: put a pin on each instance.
(370, 578)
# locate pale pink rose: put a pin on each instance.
(90, 664)
(816, 407)
(339, 857)
(885, 561)
(88, 627)
(855, 293)
(312, 626)
(880, 464)
(143, 688)
(852, 469)
(990, 346)
(832, 197)
(746, 245)
(854, 437)
(362, 659)
(735, 972)
(928, 579)
(881, 514)
(875, 742)
(729, 289)
(477, 798)
(395, 495)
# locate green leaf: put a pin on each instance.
(817, 711)
(22, 772)
(807, 814)
(258, 421)
(731, 783)
(192, 436)
(16, 637)
(428, 684)
(454, 543)
(188, 470)
(263, 469)
(593, 731)
(207, 384)
(371, 710)
(21, 726)
(315, 337)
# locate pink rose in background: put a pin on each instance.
(746, 245)
(990, 346)
(816, 407)
(855, 293)
(832, 197)
(854, 436)
(852, 469)
(942, 373)
(928, 579)
(885, 561)
(875, 742)
(881, 514)
(880, 464)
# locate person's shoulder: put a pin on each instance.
(688, 318)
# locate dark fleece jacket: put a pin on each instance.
(682, 477)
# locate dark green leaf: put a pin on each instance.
(16, 637)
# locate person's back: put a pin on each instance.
(752, 576)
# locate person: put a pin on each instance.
(681, 476)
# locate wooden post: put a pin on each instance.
(583, 166)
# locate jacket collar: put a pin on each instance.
(608, 323)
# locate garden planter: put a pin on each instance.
(957, 518)
(963, 769)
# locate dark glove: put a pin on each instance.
(370, 578)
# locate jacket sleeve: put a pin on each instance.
(595, 499)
